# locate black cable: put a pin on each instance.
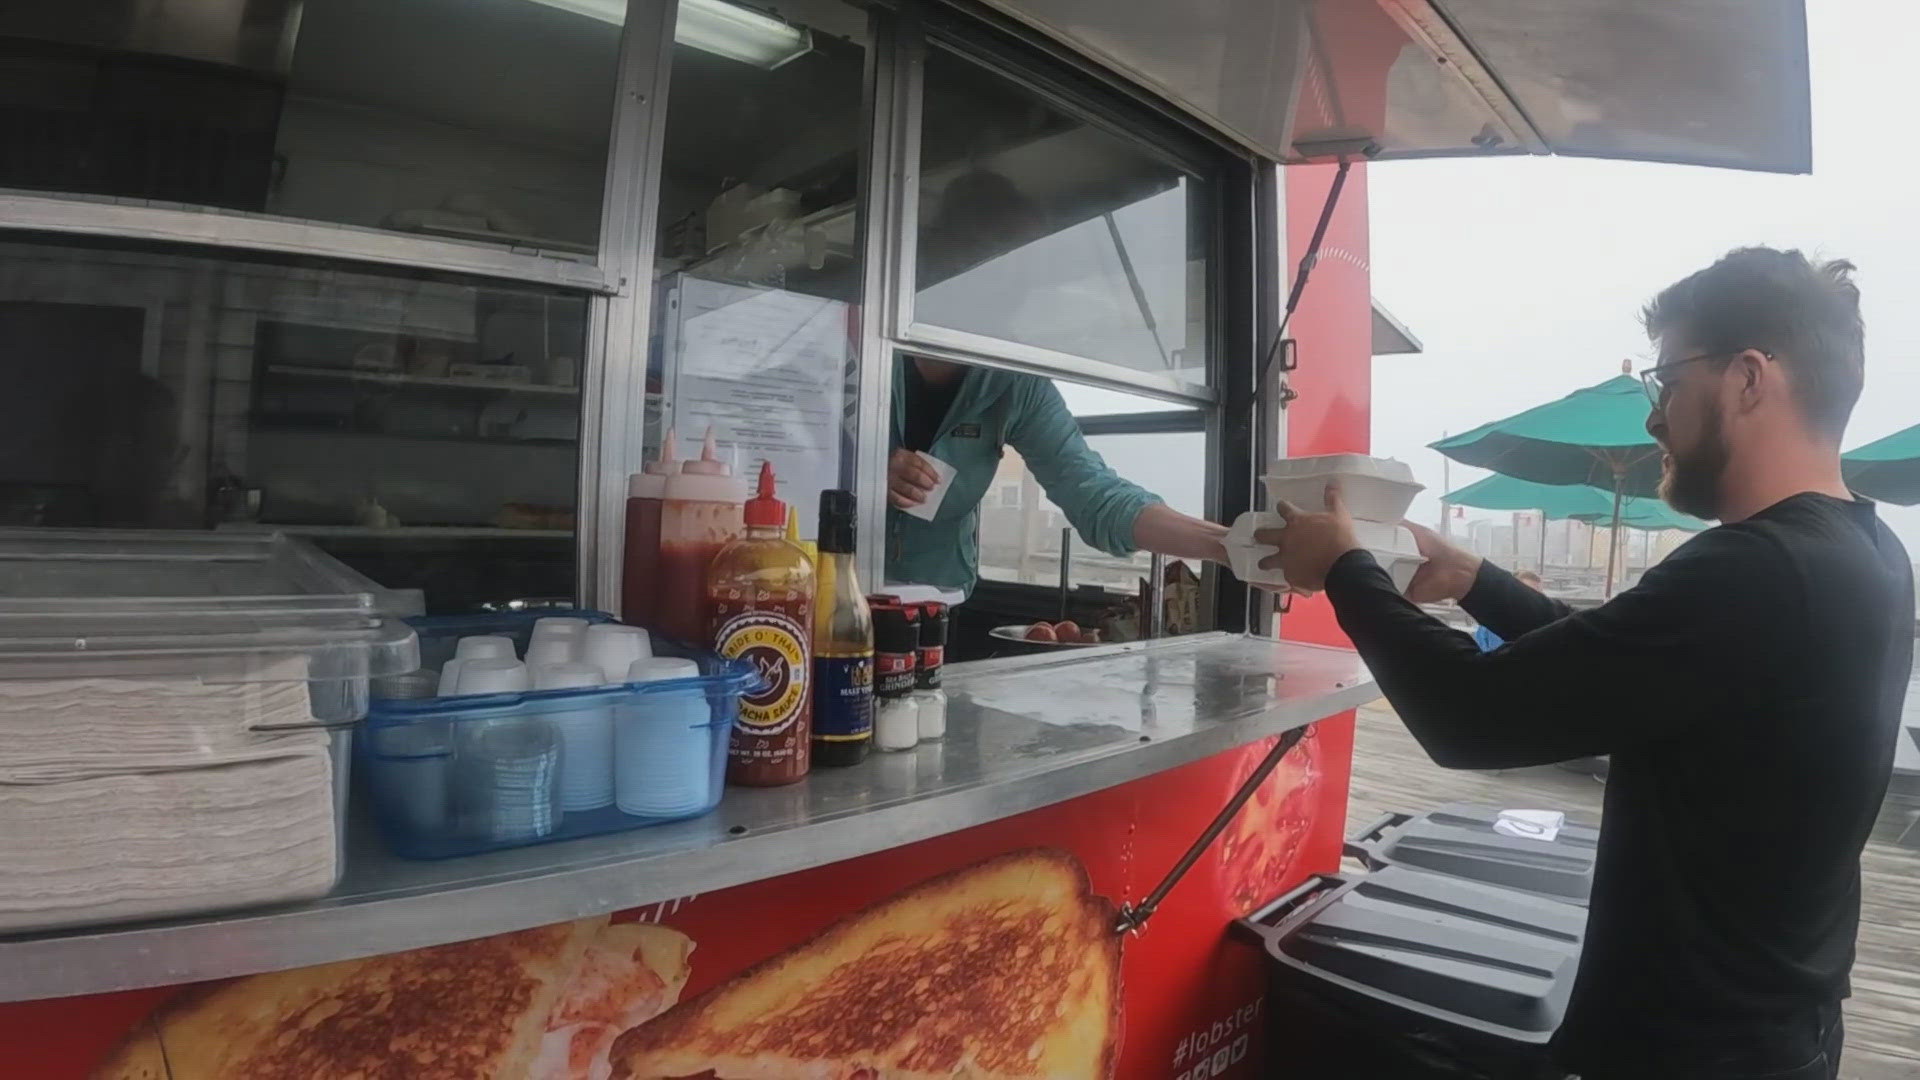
(1308, 260)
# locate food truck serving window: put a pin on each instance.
(480, 120)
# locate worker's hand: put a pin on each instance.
(1310, 543)
(1448, 572)
(909, 478)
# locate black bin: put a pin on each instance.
(1459, 840)
(1411, 976)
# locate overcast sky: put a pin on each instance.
(1524, 278)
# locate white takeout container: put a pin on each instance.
(1377, 489)
(1392, 546)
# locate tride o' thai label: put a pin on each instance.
(773, 643)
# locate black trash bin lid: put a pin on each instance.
(1432, 950)
(1459, 840)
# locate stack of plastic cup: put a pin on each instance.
(508, 779)
(411, 782)
(551, 635)
(557, 627)
(476, 647)
(614, 649)
(553, 649)
(492, 677)
(663, 744)
(586, 738)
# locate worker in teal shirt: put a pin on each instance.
(966, 416)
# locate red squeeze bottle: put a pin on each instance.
(699, 515)
(640, 577)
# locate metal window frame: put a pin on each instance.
(1245, 216)
(613, 436)
(895, 63)
(175, 223)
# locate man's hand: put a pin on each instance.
(909, 478)
(1447, 574)
(1310, 543)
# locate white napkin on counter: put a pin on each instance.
(121, 721)
(1530, 824)
(150, 844)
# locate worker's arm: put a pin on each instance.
(1110, 513)
(1667, 654)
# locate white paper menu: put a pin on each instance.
(767, 368)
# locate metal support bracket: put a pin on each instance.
(1134, 916)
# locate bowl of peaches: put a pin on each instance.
(1045, 636)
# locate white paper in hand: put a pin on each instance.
(931, 504)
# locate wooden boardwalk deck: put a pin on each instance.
(1391, 772)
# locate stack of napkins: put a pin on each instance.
(127, 798)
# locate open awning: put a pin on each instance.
(1700, 82)
(1391, 336)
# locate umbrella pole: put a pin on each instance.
(1543, 544)
(1613, 535)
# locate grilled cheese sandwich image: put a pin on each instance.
(540, 1004)
(1005, 970)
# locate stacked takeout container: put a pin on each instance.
(1377, 492)
(174, 719)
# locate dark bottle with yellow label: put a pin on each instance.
(842, 643)
(761, 589)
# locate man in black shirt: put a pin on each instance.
(1749, 689)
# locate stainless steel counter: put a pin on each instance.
(1022, 733)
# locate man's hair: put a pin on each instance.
(1528, 576)
(1805, 313)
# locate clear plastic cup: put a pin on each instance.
(663, 744)
(586, 738)
(492, 677)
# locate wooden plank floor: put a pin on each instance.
(1391, 772)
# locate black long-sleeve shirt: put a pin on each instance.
(1749, 690)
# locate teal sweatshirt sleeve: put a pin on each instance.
(1101, 505)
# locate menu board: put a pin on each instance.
(766, 368)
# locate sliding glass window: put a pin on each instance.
(422, 429)
(480, 120)
(758, 268)
(1044, 229)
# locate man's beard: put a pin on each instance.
(1690, 483)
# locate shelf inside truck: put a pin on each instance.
(1024, 732)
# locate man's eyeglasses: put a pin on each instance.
(1656, 380)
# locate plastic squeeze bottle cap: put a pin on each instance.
(708, 463)
(765, 510)
(706, 478)
(651, 481)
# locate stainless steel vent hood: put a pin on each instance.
(1702, 82)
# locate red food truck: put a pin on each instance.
(391, 300)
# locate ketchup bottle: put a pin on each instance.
(699, 513)
(640, 576)
(760, 588)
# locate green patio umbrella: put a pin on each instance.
(1578, 502)
(1573, 502)
(1596, 435)
(1887, 469)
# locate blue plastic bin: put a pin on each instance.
(450, 776)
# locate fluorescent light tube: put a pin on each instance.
(714, 26)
